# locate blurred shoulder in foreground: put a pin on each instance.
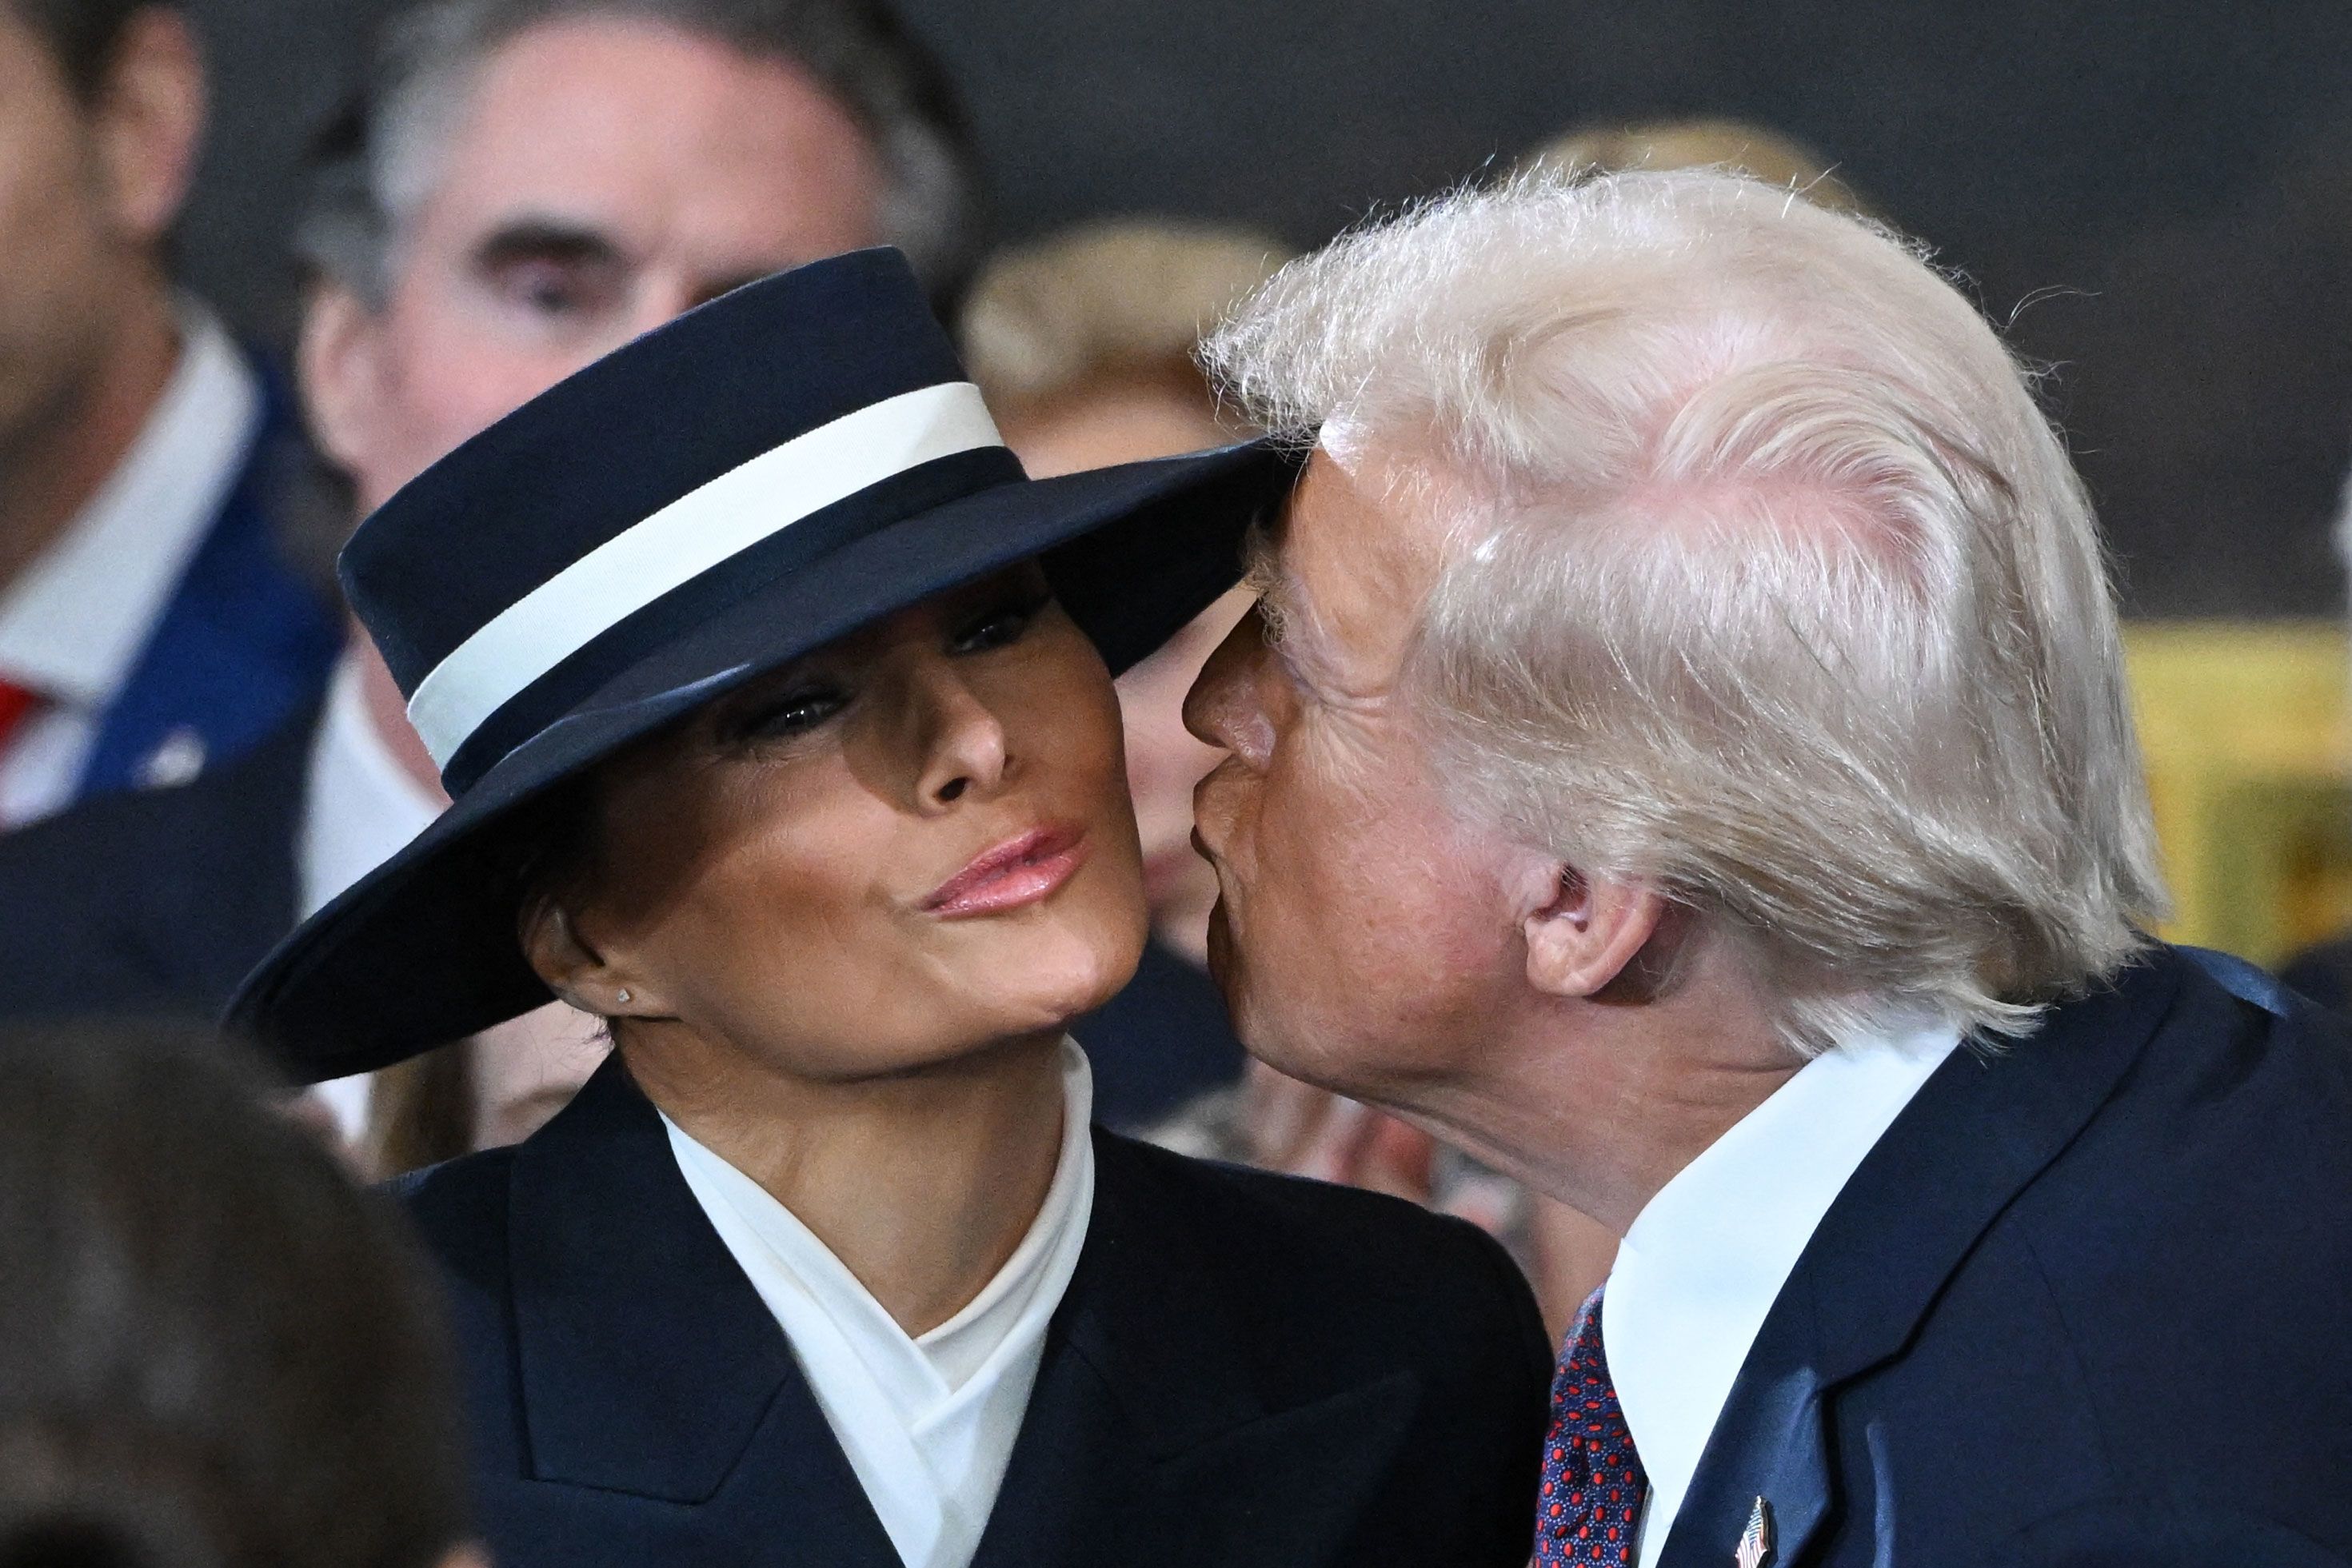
(214, 1347)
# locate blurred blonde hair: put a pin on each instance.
(1762, 155)
(1128, 300)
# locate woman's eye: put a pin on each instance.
(795, 715)
(1000, 628)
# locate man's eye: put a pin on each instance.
(547, 288)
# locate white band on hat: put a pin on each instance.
(688, 536)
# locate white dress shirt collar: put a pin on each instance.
(1705, 1259)
(76, 620)
(360, 808)
(928, 1422)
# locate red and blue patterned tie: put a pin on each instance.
(1593, 1480)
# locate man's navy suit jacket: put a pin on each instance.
(242, 642)
(1247, 1369)
(156, 903)
(2088, 1302)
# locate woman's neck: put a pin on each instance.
(923, 1184)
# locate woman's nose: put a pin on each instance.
(964, 744)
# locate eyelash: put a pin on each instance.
(774, 721)
(1024, 611)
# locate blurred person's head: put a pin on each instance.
(102, 111)
(214, 1349)
(1086, 347)
(1731, 145)
(530, 184)
(1689, 646)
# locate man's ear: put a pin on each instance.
(339, 364)
(1584, 934)
(576, 971)
(150, 123)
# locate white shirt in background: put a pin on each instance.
(1707, 1257)
(927, 1423)
(74, 622)
(360, 808)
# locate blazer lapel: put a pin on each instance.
(1145, 1442)
(1981, 1129)
(647, 1363)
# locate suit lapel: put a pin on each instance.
(647, 1363)
(1976, 1135)
(240, 644)
(1145, 1441)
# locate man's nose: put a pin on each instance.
(664, 290)
(1222, 707)
(659, 300)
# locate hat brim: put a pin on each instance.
(423, 949)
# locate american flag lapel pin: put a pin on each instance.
(1755, 1541)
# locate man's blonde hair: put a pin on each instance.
(1767, 581)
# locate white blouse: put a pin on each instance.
(927, 1423)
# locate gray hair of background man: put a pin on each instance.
(375, 167)
(1764, 580)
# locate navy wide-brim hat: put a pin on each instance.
(734, 489)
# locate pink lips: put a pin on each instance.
(1018, 872)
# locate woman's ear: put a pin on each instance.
(1585, 933)
(576, 971)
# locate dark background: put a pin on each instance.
(2157, 194)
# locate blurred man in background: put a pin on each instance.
(528, 184)
(149, 624)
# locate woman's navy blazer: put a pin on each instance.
(1247, 1369)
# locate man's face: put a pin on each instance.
(1360, 932)
(61, 259)
(603, 176)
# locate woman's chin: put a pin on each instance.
(1059, 974)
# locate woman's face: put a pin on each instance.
(907, 845)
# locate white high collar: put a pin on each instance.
(927, 1423)
(1705, 1259)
